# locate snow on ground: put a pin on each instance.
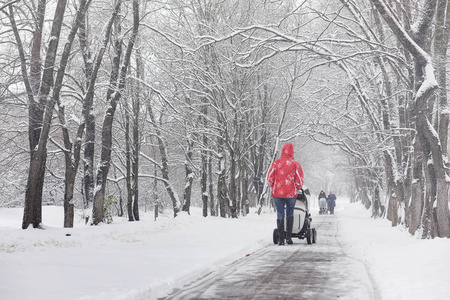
(147, 259)
(403, 266)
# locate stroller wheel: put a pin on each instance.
(314, 236)
(275, 236)
(309, 236)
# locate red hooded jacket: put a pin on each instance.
(285, 174)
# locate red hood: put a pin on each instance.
(288, 151)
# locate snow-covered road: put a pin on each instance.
(299, 271)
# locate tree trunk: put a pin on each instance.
(128, 166)
(89, 151)
(136, 133)
(72, 150)
(38, 138)
(204, 158)
(441, 39)
(233, 186)
(244, 189)
(165, 162)
(88, 124)
(69, 187)
(72, 159)
(376, 207)
(212, 204)
(204, 182)
(155, 195)
(417, 201)
(135, 165)
(113, 96)
(88, 116)
(261, 149)
(222, 193)
(105, 158)
(36, 109)
(442, 210)
(394, 202)
(189, 176)
(425, 86)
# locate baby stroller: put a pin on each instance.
(323, 206)
(302, 221)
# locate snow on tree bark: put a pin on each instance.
(117, 86)
(435, 224)
(40, 129)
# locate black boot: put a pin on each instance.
(289, 224)
(280, 226)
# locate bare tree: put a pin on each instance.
(435, 173)
(41, 111)
(115, 90)
(164, 162)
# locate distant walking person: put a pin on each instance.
(285, 178)
(331, 202)
(323, 205)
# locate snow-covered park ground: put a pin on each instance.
(147, 259)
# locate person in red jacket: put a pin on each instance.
(285, 178)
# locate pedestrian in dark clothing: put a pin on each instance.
(331, 202)
(322, 203)
(285, 178)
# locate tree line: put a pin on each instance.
(147, 99)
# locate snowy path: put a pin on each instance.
(355, 258)
(300, 271)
